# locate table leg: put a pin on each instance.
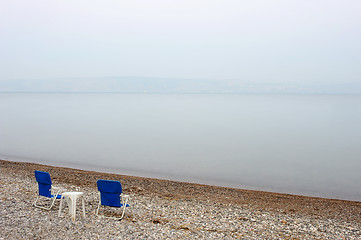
(83, 206)
(61, 203)
(68, 200)
(73, 208)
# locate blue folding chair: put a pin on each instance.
(110, 194)
(45, 189)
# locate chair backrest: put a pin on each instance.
(109, 192)
(44, 182)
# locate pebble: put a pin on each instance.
(155, 217)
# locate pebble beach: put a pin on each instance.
(162, 209)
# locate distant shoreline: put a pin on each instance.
(129, 84)
(203, 93)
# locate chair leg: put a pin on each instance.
(116, 218)
(97, 213)
(51, 205)
(55, 197)
(36, 201)
(124, 207)
(45, 208)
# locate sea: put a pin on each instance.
(297, 144)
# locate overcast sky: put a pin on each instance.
(255, 40)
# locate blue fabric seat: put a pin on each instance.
(45, 189)
(111, 195)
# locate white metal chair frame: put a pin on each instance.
(58, 190)
(124, 199)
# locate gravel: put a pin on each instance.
(168, 210)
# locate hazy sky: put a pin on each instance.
(259, 40)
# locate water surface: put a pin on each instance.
(300, 144)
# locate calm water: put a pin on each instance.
(301, 144)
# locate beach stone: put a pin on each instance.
(169, 210)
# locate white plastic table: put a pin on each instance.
(72, 197)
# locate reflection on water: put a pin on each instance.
(302, 144)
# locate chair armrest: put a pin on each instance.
(125, 199)
(58, 190)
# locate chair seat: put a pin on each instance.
(127, 205)
(57, 197)
(120, 205)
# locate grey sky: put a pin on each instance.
(263, 41)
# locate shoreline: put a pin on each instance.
(203, 201)
(187, 180)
